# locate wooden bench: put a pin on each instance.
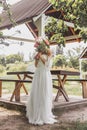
(82, 81)
(16, 91)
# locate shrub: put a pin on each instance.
(16, 67)
(2, 69)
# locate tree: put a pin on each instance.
(54, 30)
(13, 58)
(6, 8)
(2, 60)
(60, 60)
(74, 11)
(73, 57)
(84, 65)
(59, 50)
(74, 62)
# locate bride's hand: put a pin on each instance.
(39, 54)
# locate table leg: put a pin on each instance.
(0, 88)
(16, 92)
(22, 84)
(84, 89)
(60, 88)
(59, 92)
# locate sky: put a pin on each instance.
(12, 1)
(27, 48)
(14, 46)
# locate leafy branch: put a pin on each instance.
(6, 8)
(74, 11)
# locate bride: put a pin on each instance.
(39, 104)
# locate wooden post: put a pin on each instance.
(17, 92)
(84, 89)
(0, 88)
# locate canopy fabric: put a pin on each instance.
(23, 11)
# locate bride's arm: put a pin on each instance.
(37, 57)
(42, 58)
(36, 62)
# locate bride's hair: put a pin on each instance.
(49, 53)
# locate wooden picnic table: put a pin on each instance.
(21, 75)
(61, 78)
(25, 74)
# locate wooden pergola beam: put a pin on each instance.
(17, 38)
(33, 31)
(68, 39)
(72, 37)
(73, 32)
(50, 11)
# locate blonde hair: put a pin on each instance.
(49, 53)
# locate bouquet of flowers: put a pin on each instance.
(41, 45)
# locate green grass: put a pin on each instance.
(74, 88)
(8, 87)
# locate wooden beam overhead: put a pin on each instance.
(17, 38)
(50, 11)
(68, 39)
(33, 31)
(72, 37)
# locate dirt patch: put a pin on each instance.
(14, 120)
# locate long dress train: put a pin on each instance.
(39, 104)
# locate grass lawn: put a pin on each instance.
(8, 87)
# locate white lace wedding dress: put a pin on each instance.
(39, 105)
